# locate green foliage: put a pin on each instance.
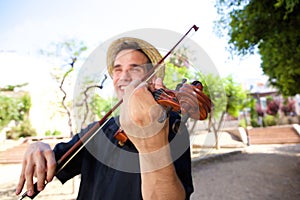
(289, 6)
(23, 129)
(253, 112)
(236, 97)
(273, 28)
(100, 106)
(269, 120)
(242, 123)
(13, 108)
(12, 87)
(213, 86)
(68, 72)
(254, 122)
(52, 133)
(26, 103)
(174, 75)
(226, 95)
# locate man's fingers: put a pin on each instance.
(45, 168)
(41, 174)
(29, 178)
(38, 160)
(20, 185)
(51, 165)
(21, 180)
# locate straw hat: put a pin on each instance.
(133, 43)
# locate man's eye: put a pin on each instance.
(116, 70)
(137, 69)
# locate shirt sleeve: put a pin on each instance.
(73, 167)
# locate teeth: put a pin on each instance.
(122, 87)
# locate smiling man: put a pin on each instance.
(154, 163)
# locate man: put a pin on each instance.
(154, 164)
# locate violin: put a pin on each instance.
(187, 99)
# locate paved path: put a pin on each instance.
(235, 171)
(265, 172)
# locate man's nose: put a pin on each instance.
(125, 75)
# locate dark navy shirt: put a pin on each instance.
(110, 171)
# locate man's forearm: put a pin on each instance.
(159, 178)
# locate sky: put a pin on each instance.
(27, 26)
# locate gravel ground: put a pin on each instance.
(260, 172)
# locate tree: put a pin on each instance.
(214, 86)
(228, 98)
(272, 28)
(69, 51)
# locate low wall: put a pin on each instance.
(274, 135)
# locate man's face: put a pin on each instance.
(129, 65)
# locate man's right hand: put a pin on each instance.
(38, 161)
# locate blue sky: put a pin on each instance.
(27, 26)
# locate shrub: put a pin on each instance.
(53, 133)
(269, 120)
(13, 108)
(254, 123)
(23, 129)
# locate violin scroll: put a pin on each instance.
(188, 99)
(193, 101)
